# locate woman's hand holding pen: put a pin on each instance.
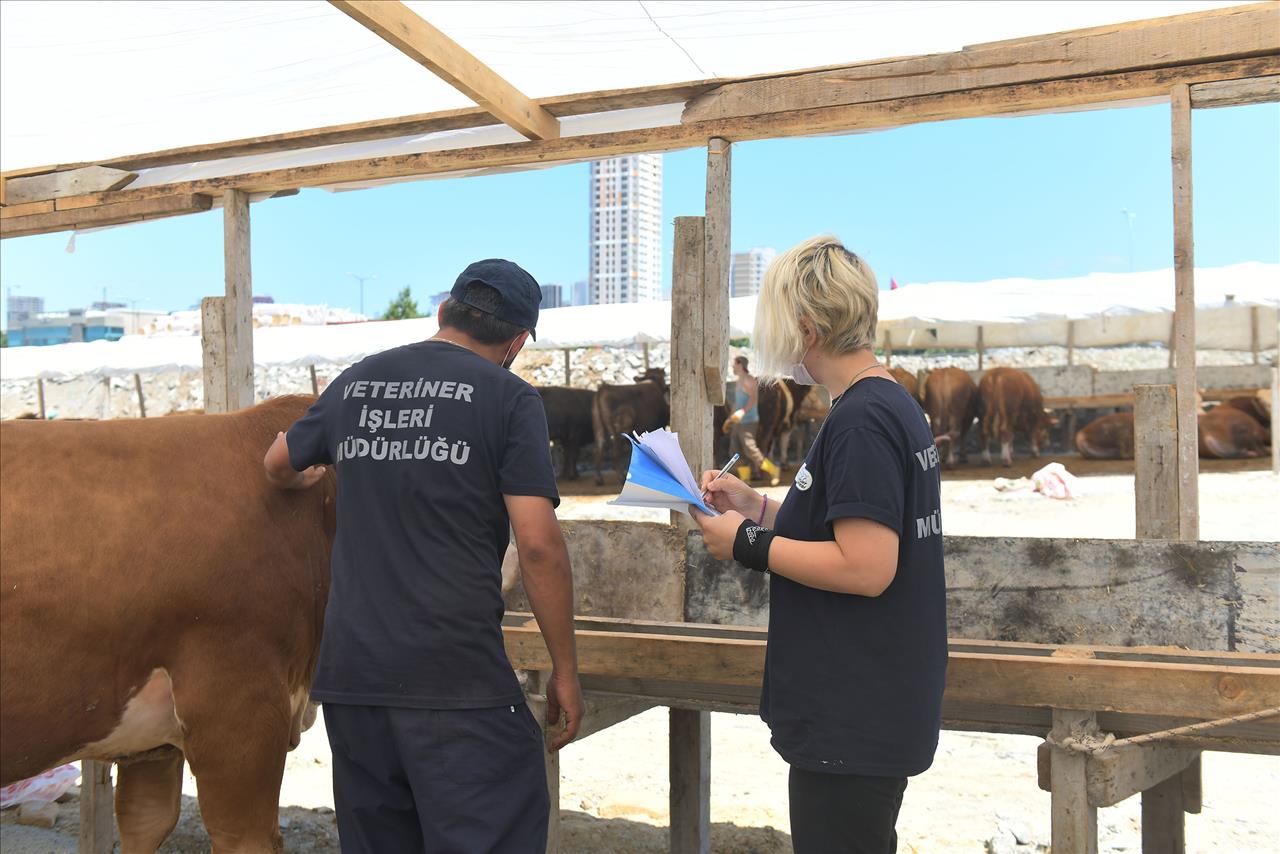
(729, 493)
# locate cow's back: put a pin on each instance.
(1109, 437)
(949, 399)
(134, 545)
(1225, 432)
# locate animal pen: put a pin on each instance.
(1167, 643)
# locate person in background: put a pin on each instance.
(744, 421)
(440, 452)
(857, 649)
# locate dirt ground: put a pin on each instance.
(981, 794)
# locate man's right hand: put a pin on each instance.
(564, 694)
(729, 493)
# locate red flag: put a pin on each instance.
(893, 283)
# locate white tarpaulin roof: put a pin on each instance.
(1108, 309)
(88, 81)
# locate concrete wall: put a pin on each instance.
(1208, 596)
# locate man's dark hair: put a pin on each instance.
(480, 325)
(741, 360)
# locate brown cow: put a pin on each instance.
(812, 403)
(569, 422)
(161, 600)
(1254, 406)
(1107, 438)
(1226, 433)
(907, 380)
(950, 399)
(619, 409)
(1009, 403)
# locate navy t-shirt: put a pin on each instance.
(427, 438)
(853, 684)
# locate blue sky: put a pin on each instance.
(966, 200)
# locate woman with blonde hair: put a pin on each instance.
(857, 598)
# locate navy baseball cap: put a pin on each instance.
(518, 293)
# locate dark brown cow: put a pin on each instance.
(950, 399)
(160, 599)
(1107, 438)
(1253, 406)
(776, 408)
(1226, 433)
(1009, 403)
(906, 379)
(569, 422)
(639, 407)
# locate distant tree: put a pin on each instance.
(403, 307)
(4, 339)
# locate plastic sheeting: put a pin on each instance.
(1107, 309)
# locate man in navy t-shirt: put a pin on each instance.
(440, 451)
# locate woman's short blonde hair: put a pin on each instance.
(820, 281)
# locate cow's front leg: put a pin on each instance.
(148, 801)
(1006, 451)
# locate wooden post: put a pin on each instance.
(142, 403)
(106, 398)
(646, 356)
(1071, 342)
(690, 411)
(690, 749)
(315, 382)
(1173, 333)
(239, 304)
(980, 348)
(1253, 332)
(567, 354)
(1184, 316)
(888, 349)
(213, 341)
(1275, 401)
(1074, 823)
(97, 808)
(1155, 454)
(40, 397)
(715, 293)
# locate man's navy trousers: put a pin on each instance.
(438, 780)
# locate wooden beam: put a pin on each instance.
(715, 296)
(237, 270)
(1233, 93)
(26, 209)
(690, 411)
(1184, 314)
(1134, 87)
(107, 214)
(1231, 33)
(1120, 773)
(75, 182)
(1155, 455)
(408, 33)
(689, 743)
(1164, 829)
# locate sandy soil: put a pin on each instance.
(981, 794)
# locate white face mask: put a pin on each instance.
(800, 373)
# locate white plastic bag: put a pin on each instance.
(1056, 482)
(40, 789)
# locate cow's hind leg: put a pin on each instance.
(148, 801)
(237, 737)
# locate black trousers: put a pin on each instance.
(438, 781)
(844, 813)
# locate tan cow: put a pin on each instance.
(950, 400)
(1010, 403)
(1109, 437)
(159, 599)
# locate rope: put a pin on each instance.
(1095, 743)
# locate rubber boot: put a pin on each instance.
(744, 474)
(775, 474)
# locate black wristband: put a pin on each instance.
(751, 546)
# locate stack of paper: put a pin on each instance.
(659, 476)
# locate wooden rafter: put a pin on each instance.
(397, 24)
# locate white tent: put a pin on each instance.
(1107, 309)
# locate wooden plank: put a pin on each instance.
(1164, 829)
(1155, 451)
(73, 182)
(408, 33)
(690, 411)
(1122, 772)
(237, 271)
(97, 808)
(106, 214)
(1184, 314)
(1129, 87)
(690, 771)
(1074, 824)
(213, 344)
(26, 209)
(1233, 93)
(1232, 33)
(715, 297)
